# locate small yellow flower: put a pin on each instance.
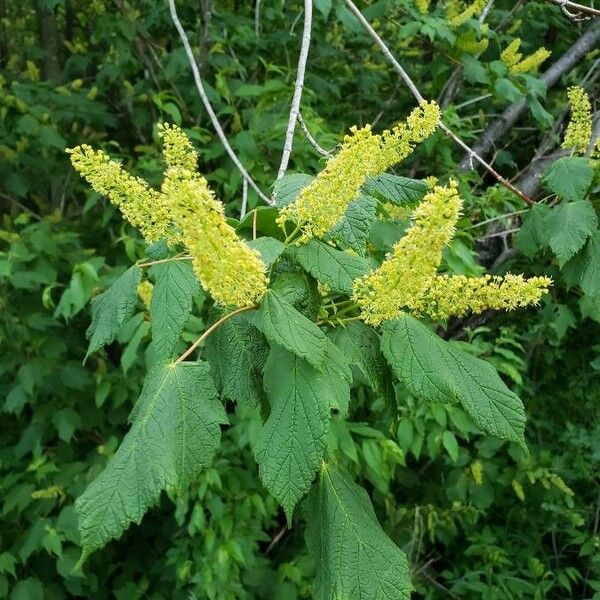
(401, 280)
(324, 201)
(579, 129)
(476, 469)
(518, 489)
(144, 291)
(142, 206)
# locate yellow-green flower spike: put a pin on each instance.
(532, 62)
(510, 56)
(144, 291)
(457, 295)
(515, 62)
(142, 206)
(324, 201)
(225, 265)
(458, 14)
(399, 283)
(178, 151)
(579, 129)
(423, 6)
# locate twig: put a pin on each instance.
(207, 105)
(486, 10)
(212, 328)
(295, 108)
(417, 94)
(244, 199)
(257, 19)
(580, 9)
(550, 77)
(311, 139)
(275, 540)
(20, 205)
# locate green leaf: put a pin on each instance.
(533, 235)
(359, 344)
(354, 556)
(172, 297)
(569, 177)
(269, 248)
(112, 308)
(174, 434)
(434, 369)
(287, 189)
(450, 444)
(507, 90)
(474, 70)
(333, 267)
(399, 190)
(283, 324)
(568, 227)
(353, 229)
(584, 268)
(237, 352)
(291, 444)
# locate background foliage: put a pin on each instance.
(477, 517)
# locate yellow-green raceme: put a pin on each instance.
(324, 201)
(184, 211)
(579, 129)
(407, 282)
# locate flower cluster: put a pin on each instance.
(404, 276)
(514, 60)
(457, 295)
(407, 280)
(144, 291)
(458, 14)
(227, 267)
(184, 211)
(324, 201)
(423, 6)
(579, 129)
(142, 206)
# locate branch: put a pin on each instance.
(473, 155)
(579, 9)
(209, 109)
(320, 150)
(512, 114)
(295, 108)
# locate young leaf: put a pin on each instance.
(584, 268)
(399, 190)
(172, 296)
(326, 264)
(354, 228)
(354, 556)
(568, 226)
(570, 177)
(283, 324)
(533, 235)
(236, 352)
(434, 369)
(174, 434)
(292, 441)
(112, 308)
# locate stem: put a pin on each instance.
(162, 260)
(295, 108)
(212, 328)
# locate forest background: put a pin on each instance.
(477, 517)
